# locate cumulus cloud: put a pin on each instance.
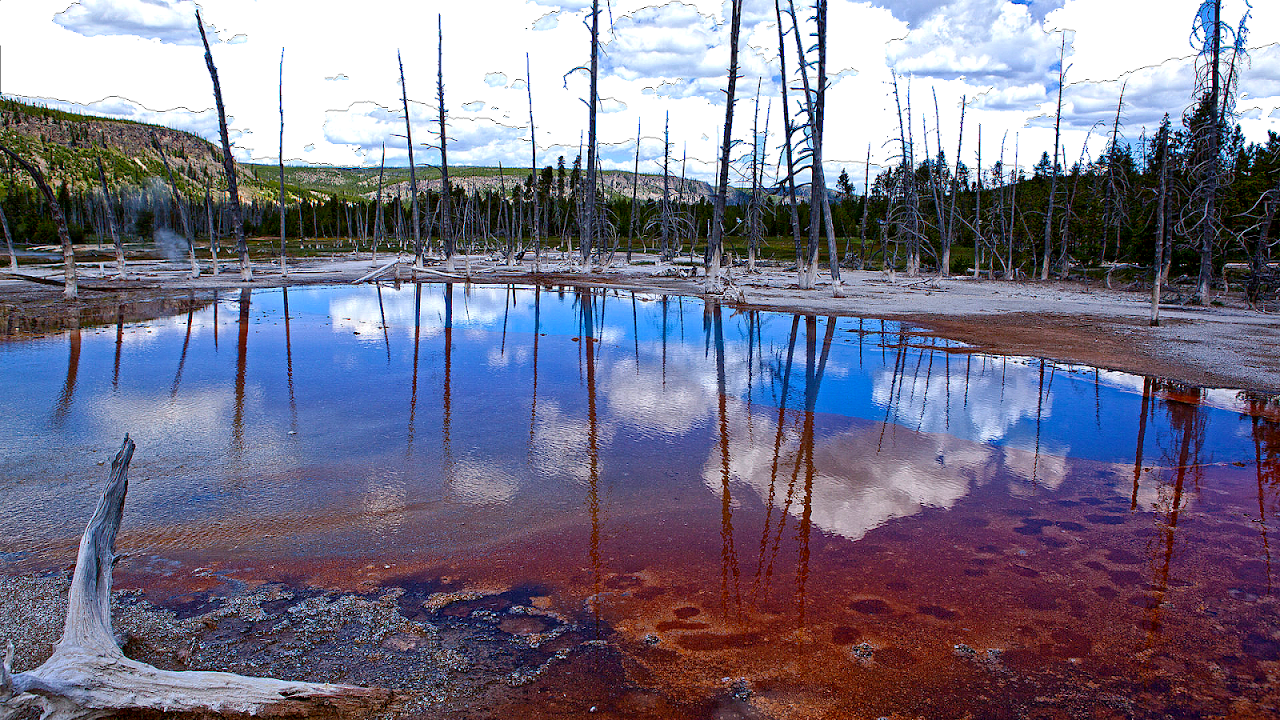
(495, 79)
(168, 21)
(1150, 92)
(990, 42)
(677, 52)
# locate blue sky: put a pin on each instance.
(141, 59)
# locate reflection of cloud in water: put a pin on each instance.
(359, 311)
(996, 401)
(860, 480)
(561, 444)
(643, 400)
(476, 482)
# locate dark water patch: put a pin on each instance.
(873, 606)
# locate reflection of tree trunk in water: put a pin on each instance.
(215, 321)
(1183, 420)
(664, 341)
(773, 468)
(1262, 505)
(946, 355)
(382, 313)
(288, 356)
(924, 400)
(63, 408)
(506, 314)
(115, 371)
(182, 360)
(447, 401)
(635, 317)
(968, 364)
(728, 553)
(1142, 435)
(813, 383)
(413, 385)
(242, 351)
(899, 367)
(537, 332)
(586, 302)
(1035, 465)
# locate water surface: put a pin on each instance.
(856, 519)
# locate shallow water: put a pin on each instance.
(857, 520)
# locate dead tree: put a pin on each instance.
(377, 219)
(213, 235)
(1115, 211)
(1162, 139)
(716, 239)
(446, 228)
(70, 290)
(866, 210)
(111, 224)
(533, 151)
(949, 236)
(754, 208)
(977, 215)
(788, 131)
(1053, 182)
(413, 174)
(228, 162)
(180, 204)
(589, 223)
(284, 270)
(635, 180)
(8, 241)
(89, 677)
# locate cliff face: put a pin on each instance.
(66, 148)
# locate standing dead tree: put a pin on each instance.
(1054, 170)
(788, 131)
(533, 151)
(1116, 213)
(635, 180)
(446, 191)
(377, 219)
(1207, 123)
(8, 241)
(89, 677)
(70, 289)
(716, 240)
(413, 173)
(111, 224)
(1162, 220)
(284, 270)
(590, 223)
(228, 162)
(181, 206)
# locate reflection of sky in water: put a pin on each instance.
(322, 417)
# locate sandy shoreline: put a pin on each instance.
(1221, 346)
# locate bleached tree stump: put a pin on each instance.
(89, 677)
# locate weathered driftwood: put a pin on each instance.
(89, 677)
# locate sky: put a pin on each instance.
(141, 59)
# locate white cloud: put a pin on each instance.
(169, 21)
(495, 79)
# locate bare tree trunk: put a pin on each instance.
(89, 677)
(284, 270)
(866, 212)
(1161, 223)
(955, 193)
(716, 240)
(1053, 182)
(213, 235)
(788, 131)
(977, 216)
(111, 225)
(589, 224)
(228, 162)
(377, 218)
(413, 173)
(635, 180)
(665, 218)
(8, 241)
(70, 289)
(753, 210)
(533, 149)
(180, 205)
(1209, 226)
(446, 192)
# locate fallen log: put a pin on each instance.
(121, 284)
(89, 677)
